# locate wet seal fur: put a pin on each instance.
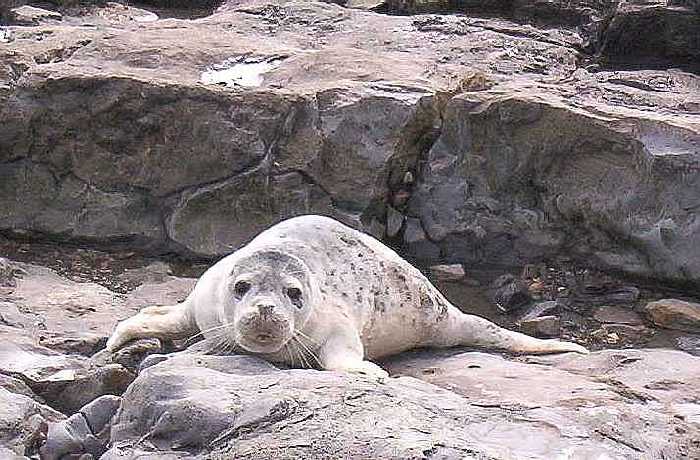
(312, 292)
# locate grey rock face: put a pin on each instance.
(23, 424)
(207, 407)
(84, 433)
(536, 158)
(536, 189)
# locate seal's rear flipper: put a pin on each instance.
(469, 330)
(172, 322)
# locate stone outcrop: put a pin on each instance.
(457, 405)
(516, 149)
(512, 133)
(60, 399)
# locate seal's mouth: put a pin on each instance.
(258, 335)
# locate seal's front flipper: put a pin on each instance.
(173, 322)
(344, 352)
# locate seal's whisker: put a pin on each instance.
(301, 334)
(302, 354)
(309, 351)
(296, 349)
(201, 333)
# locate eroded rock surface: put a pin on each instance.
(491, 139)
(512, 133)
(460, 404)
(63, 401)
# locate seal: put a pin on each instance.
(312, 292)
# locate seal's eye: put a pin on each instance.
(241, 288)
(294, 295)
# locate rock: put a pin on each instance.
(478, 149)
(602, 294)
(11, 316)
(23, 422)
(689, 344)
(417, 242)
(132, 355)
(541, 309)
(156, 272)
(78, 343)
(619, 315)
(625, 43)
(65, 382)
(32, 16)
(520, 223)
(509, 293)
(626, 333)
(6, 272)
(542, 326)
(630, 380)
(457, 404)
(15, 385)
(674, 314)
(65, 306)
(86, 432)
(452, 272)
(394, 222)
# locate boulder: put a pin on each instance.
(452, 404)
(674, 314)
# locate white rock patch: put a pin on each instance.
(230, 73)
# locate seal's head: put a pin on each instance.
(270, 295)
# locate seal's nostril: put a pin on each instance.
(265, 309)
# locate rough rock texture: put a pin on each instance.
(617, 404)
(674, 314)
(471, 405)
(491, 137)
(516, 132)
(23, 423)
(49, 326)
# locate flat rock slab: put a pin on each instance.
(458, 404)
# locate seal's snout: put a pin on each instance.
(264, 326)
(266, 309)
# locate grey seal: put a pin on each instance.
(312, 292)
